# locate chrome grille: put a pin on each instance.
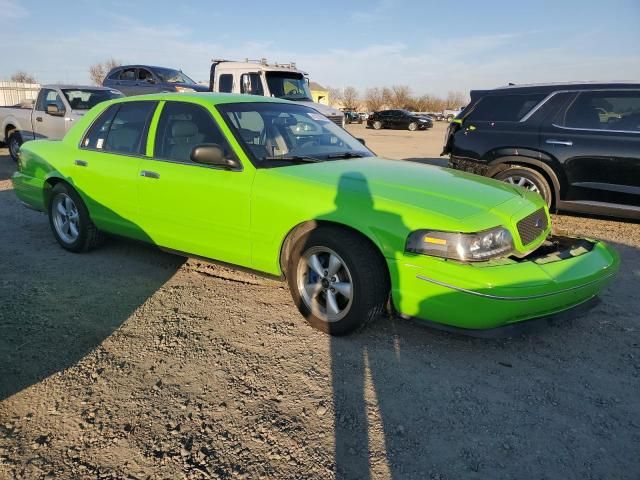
(336, 119)
(532, 226)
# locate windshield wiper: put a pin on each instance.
(346, 155)
(294, 158)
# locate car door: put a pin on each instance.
(597, 139)
(189, 207)
(107, 164)
(47, 125)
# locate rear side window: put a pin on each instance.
(225, 83)
(122, 128)
(604, 111)
(504, 108)
(128, 74)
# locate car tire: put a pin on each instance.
(377, 125)
(14, 142)
(70, 221)
(527, 178)
(413, 126)
(347, 288)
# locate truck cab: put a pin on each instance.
(257, 77)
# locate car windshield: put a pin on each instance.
(85, 99)
(279, 134)
(169, 75)
(288, 85)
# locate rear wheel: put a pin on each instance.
(14, 143)
(529, 179)
(337, 279)
(70, 222)
(377, 125)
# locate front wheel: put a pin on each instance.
(529, 179)
(337, 279)
(70, 222)
(377, 125)
(412, 126)
(14, 143)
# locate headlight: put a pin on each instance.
(184, 89)
(470, 247)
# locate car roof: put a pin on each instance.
(205, 97)
(79, 87)
(553, 87)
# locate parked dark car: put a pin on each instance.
(399, 119)
(577, 145)
(352, 117)
(142, 79)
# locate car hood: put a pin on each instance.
(446, 193)
(323, 109)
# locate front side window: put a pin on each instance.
(85, 99)
(288, 85)
(504, 108)
(604, 111)
(225, 83)
(251, 83)
(49, 97)
(122, 128)
(144, 75)
(279, 134)
(181, 127)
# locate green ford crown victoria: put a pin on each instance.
(276, 187)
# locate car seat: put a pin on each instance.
(184, 135)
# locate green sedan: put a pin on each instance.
(276, 187)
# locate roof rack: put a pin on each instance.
(261, 61)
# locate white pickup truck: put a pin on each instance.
(53, 113)
(257, 77)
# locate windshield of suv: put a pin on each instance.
(85, 99)
(288, 85)
(169, 75)
(279, 134)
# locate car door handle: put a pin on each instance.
(148, 174)
(81, 163)
(38, 119)
(566, 143)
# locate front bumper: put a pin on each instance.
(484, 295)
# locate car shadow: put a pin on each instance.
(57, 306)
(7, 165)
(412, 402)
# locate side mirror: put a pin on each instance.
(149, 80)
(361, 140)
(212, 154)
(52, 109)
(246, 84)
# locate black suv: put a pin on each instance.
(578, 145)
(399, 119)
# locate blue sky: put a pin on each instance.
(434, 47)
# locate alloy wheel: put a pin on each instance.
(524, 182)
(325, 284)
(14, 147)
(66, 218)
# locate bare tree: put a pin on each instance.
(350, 98)
(456, 100)
(373, 99)
(23, 77)
(400, 96)
(98, 71)
(335, 97)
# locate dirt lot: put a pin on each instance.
(132, 363)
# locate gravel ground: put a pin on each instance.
(132, 363)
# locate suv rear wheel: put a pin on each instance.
(529, 179)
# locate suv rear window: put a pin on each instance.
(504, 108)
